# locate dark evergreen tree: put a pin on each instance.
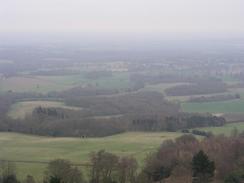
(202, 168)
(54, 179)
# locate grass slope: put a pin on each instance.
(15, 146)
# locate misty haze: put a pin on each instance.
(119, 91)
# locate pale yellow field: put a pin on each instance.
(21, 109)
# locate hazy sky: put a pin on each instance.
(224, 16)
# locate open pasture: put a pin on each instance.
(230, 106)
(226, 129)
(22, 147)
(31, 84)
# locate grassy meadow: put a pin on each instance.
(14, 146)
(226, 129)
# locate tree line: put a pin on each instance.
(102, 115)
(215, 98)
(198, 88)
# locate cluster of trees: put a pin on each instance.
(185, 120)
(109, 168)
(103, 167)
(214, 159)
(131, 103)
(64, 127)
(40, 113)
(89, 120)
(198, 132)
(83, 91)
(214, 98)
(197, 85)
(160, 78)
(199, 88)
(201, 133)
(175, 122)
(62, 171)
(66, 122)
(186, 159)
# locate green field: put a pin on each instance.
(15, 146)
(227, 129)
(44, 84)
(230, 106)
(20, 109)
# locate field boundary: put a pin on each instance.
(42, 162)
